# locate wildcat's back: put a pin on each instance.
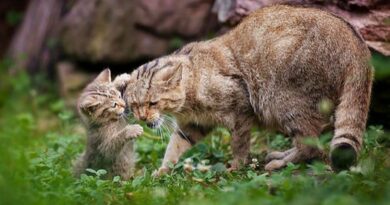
(293, 59)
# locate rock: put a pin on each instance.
(122, 31)
(71, 81)
(171, 17)
(104, 30)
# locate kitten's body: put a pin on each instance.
(109, 142)
(275, 68)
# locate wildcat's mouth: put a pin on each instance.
(155, 124)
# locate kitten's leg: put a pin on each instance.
(181, 141)
(125, 162)
(80, 165)
(241, 142)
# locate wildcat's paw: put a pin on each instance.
(231, 169)
(278, 155)
(275, 165)
(134, 131)
(161, 171)
(235, 166)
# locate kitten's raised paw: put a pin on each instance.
(161, 171)
(121, 81)
(135, 131)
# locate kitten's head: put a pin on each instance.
(101, 102)
(155, 88)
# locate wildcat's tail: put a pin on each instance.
(351, 116)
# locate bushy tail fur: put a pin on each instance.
(351, 116)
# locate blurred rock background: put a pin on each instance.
(69, 41)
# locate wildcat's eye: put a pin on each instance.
(153, 103)
(113, 105)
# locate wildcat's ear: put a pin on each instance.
(171, 76)
(104, 76)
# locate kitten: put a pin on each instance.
(109, 143)
(274, 69)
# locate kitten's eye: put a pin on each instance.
(153, 103)
(113, 105)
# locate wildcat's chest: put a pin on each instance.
(199, 118)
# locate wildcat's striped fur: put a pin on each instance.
(273, 69)
(109, 141)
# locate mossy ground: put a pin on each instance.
(39, 138)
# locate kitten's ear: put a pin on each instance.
(171, 76)
(104, 76)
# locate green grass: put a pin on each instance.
(39, 138)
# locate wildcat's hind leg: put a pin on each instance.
(298, 118)
(300, 153)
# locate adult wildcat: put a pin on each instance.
(273, 69)
(109, 141)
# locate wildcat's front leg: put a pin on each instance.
(181, 141)
(176, 147)
(240, 142)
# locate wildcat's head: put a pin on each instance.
(156, 88)
(101, 102)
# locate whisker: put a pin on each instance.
(166, 127)
(154, 124)
(159, 133)
(177, 128)
(161, 129)
(170, 123)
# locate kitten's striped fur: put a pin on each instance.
(273, 69)
(109, 144)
